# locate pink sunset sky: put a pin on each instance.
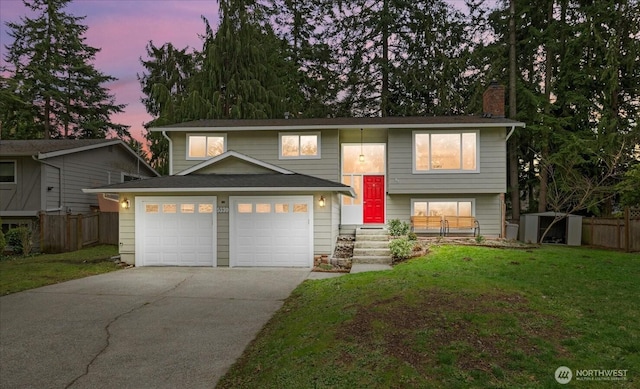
(122, 29)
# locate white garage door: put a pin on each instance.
(271, 231)
(176, 231)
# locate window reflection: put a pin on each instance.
(445, 151)
(442, 208)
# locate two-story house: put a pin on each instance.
(277, 192)
(47, 176)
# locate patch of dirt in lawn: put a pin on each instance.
(474, 332)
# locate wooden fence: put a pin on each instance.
(620, 234)
(64, 233)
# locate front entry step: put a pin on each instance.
(371, 246)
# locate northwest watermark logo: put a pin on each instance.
(564, 375)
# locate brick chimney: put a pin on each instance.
(493, 101)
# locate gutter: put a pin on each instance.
(164, 133)
(59, 184)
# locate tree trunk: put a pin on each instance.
(384, 92)
(513, 146)
(544, 151)
(47, 122)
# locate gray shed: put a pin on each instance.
(567, 230)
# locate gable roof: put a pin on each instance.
(387, 122)
(228, 183)
(234, 154)
(49, 148)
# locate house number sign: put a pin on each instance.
(223, 209)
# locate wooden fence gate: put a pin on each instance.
(621, 234)
(64, 233)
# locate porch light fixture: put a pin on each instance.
(125, 204)
(321, 202)
(361, 158)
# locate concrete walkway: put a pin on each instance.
(138, 328)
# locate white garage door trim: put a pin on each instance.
(176, 231)
(272, 231)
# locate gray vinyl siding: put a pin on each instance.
(40, 186)
(234, 166)
(127, 229)
(25, 194)
(222, 232)
(93, 168)
(487, 208)
(52, 192)
(491, 177)
(263, 145)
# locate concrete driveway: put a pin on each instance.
(138, 328)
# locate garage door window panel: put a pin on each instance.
(281, 208)
(205, 208)
(169, 208)
(263, 208)
(151, 208)
(187, 208)
(300, 208)
(245, 208)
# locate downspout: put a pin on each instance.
(513, 128)
(59, 183)
(164, 133)
(503, 230)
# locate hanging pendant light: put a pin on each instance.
(361, 158)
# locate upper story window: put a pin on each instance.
(8, 172)
(299, 146)
(206, 146)
(446, 152)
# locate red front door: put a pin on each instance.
(373, 199)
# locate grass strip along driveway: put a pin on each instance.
(459, 317)
(22, 273)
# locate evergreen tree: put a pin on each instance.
(399, 58)
(52, 73)
(165, 83)
(577, 91)
(245, 71)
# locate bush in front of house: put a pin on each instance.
(397, 227)
(20, 240)
(401, 248)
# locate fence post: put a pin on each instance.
(627, 229)
(67, 224)
(79, 237)
(41, 221)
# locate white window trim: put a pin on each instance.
(15, 172)
(317, 133)
(443, 200)
(205, 134)
(445, 171)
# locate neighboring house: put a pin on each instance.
(278, 192)
(47, 176)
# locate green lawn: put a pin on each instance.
(22, 273)
(460, 317)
